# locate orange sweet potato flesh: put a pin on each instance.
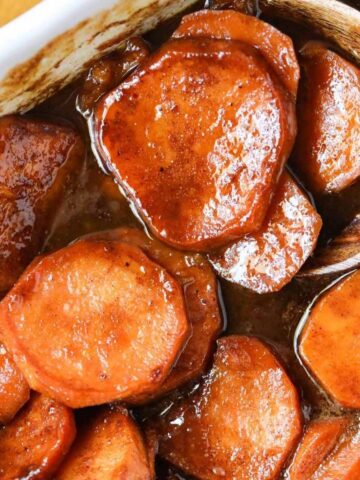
(327, 153)
(318, 441)
(35, 159)
(344, 462)
(14, 390)
(331, 337)
(34, 444)
(200, 288)
(276, 47)
(243, 421)
(267, 260)
(219, 126)
(109, 447)
(95, 322)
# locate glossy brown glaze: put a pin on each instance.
(196, 190)
(243, 421)
(95, 322)
(34, 444)
(35, 159)
(109, 447)
(320, 438)
(330, 341)
(200, 288)
(327, 152)
(267, 260)
(14, 390)
(276, 47)
(108, 72)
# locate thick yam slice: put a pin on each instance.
(330, 341)
(108, 447)
(200, 288)
(95, 322)
(267, 260)
(276, 47)
(344, 462)
(242, 422)
(197, 138)
(327, 152)
(14, 390)
(35, 159)
(320, 438)
(33, 445)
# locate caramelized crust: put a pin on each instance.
(327, 153)
(35, 159)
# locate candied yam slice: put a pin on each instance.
(217, 127)
(344, 462)
(276, 47)
(36, 441)
(95, 322)
(330, 341)
(327, 153)
(108, 447)
(200, 288)
(242, 422)
(35, 159)
(320, 437)
(14, 390)
(267, 260)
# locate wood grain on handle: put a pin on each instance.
(334, 20)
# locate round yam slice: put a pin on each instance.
(197, 138)
(14, 390)
(95, 322)
(109, 447)
(33, 445)
(327, 152)
(243, 421)
(330, 341)
(267, 260)
(200, 288)
(276, 47)
(320, 438)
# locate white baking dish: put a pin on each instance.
(48, 46)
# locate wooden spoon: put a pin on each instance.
(333, 20)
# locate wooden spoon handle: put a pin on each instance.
(334, 20)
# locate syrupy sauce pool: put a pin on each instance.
(93, 202)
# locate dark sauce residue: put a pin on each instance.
(93, 202)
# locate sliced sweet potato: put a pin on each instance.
(35, 159)
(276, 47)
(110, 446)
(14, 390)
(330, 341)
(267, 260)
(218, 126)
(33, 445)
(344, 462)
(200, 288)
(327, 153)
(242, 422)
(320, 437)
(95, 322)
